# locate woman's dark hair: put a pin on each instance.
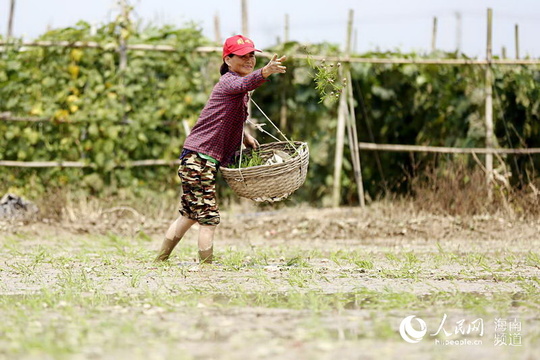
(224, 67)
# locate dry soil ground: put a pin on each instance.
(296, 283)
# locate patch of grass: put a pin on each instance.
(233, 259)
(392, 257)
(533, 259)
(364, 264)
(298, 260)
(473, 259)
(299, 278)
(262, 278)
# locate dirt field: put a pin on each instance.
(297, 283)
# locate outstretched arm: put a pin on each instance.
(274, 66)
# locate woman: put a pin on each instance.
(213, 142)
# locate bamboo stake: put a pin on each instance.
(245, 32)
(80, 164)
(103, 46)
(459, 33)
(355, 149)
(44, 164)
(283, 111)
(217, 29)
(138, 163)
(434, 35)
(361, 145)
(516, 39)
(123, 58)
(215, 49)
(340, 131)
(6, 116)
(245, 29)
(348, 45)
(350, 135)
(338, 159)
(283, 99)
(489, 108)
(409, 61)
(355, 42)
(443, 150)
(351, 118)
(10, 19)
(123, 43)
(286, 32)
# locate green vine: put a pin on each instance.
(327, 79)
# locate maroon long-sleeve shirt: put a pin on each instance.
(218, 131)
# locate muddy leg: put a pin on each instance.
(173, 236)
(206, 244)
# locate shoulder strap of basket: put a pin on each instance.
(259, 127)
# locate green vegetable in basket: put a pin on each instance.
(253, 158)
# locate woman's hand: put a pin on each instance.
(250, 142)
(274, 66)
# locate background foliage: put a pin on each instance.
(106, 116)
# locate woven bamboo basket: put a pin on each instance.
(271, 182)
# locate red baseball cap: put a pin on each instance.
(238, 45)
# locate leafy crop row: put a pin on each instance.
(105, 116)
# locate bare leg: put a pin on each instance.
(206, 244)
(174, 234)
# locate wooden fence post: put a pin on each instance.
(489, 107)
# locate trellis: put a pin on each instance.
(345, 112)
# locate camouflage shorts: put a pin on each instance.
(198, 189)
